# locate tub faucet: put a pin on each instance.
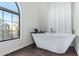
(52, 30)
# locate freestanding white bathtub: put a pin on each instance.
(55, 42)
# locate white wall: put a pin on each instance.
(60, 17)
(57, 15)
(76, 17)
(29, 21)
(43, 13)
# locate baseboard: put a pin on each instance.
(20, 48)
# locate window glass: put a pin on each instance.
(7, 26)
(7, 16)
(15, 30)
(0, 20)
(15, 18)
(9, 21)
(9, 5)
(0, 25)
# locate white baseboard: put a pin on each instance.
(19, 48)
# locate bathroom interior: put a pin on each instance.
(45, 29)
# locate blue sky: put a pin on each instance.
(9, 5)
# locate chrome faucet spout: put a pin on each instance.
(52, 30)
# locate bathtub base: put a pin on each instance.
(58, 44)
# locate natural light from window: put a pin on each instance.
(9, 21)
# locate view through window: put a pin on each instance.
(9, 21)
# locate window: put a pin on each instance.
(9, 21)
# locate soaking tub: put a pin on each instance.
(55, 42)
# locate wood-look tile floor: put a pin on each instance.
(32, 50)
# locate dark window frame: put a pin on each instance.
(12, 12)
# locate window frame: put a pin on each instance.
(12, 12)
